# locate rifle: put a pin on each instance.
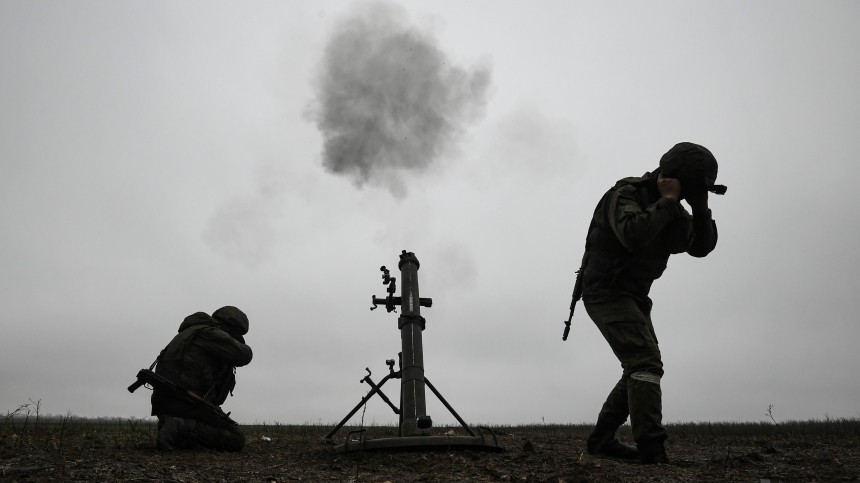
(148, 376)
(577, 286)
(577, 291)
(577, 295)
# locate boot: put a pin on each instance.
(613, 449)
(174, 433)
(601, 442)
(653, 453)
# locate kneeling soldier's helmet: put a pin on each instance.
(232, 320)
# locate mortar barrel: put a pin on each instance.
(411, 324)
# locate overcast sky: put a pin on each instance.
(163, 158)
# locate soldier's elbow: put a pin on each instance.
(246, 357)
(700, 252)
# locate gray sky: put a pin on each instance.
(163, 158)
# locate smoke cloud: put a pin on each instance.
(389, 100)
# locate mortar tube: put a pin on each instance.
(413, 402)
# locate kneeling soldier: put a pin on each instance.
(201, 360)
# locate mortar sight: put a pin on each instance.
(390, 301)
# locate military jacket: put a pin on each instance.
(632, 234)
(200, 358)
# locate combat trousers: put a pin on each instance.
(188, 433)
(185, 425)
(626, 326)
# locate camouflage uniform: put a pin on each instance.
(202, 358)
(632, 234)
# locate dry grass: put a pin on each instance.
(68, 448)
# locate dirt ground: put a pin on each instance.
(90, 450)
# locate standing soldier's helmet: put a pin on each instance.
(232, 320)
(693, 165)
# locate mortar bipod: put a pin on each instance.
(375, 389)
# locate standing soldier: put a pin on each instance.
(201, 359)
(636, 226)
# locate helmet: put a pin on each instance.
(232, 320)
(691, 163)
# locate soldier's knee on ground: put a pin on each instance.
(175, 433)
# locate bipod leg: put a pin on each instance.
(450, 409)
(375, 389)
(382, 394)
